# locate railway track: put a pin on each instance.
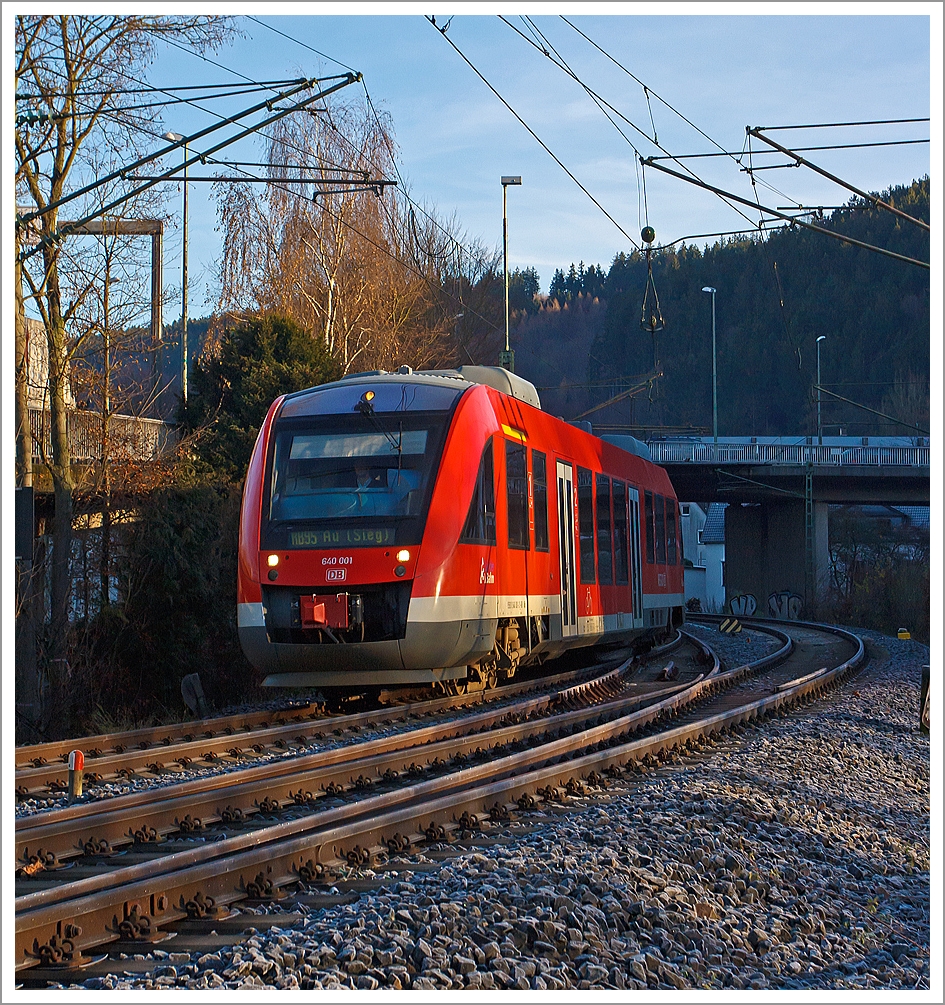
(226, 741)
(124, 899)
(143, 822)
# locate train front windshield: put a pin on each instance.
(341, 481)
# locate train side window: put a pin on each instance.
(586, 524)
(670, 531)
(659, 504)
(648, 520)
(480, 522)
(605, 544)
(516, 492)
(540, 496)
(621, 567)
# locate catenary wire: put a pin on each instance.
(341, 219)
(597, 98)
(800, 150)
(402, 191)
(478, 260)
(536, 137)
(676, 112)
(344, 222)
(291, 39)
(837, 125)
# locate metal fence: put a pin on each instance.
(128, 437)
(795, 454)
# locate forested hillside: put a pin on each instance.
(774, 298)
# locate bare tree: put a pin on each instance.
(380, 283)
(72, 72)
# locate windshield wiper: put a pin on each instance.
(367, 409)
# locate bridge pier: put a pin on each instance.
(765, 557)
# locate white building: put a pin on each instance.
(703, 537)
(37, 369)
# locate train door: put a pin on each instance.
(636, 569)
(566, 548)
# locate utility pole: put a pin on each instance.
(27, 596)
(820, 428)
(507, 357)
(715, 395)
(177, 137)
(24, 438)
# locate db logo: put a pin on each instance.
(335, 575)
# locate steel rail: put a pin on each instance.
(366, 809)
(203, 872)
(198, 801)
(126, 749)
(278, 852)
(224, 750)
(164, 734)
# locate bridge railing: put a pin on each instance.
(794, 454)
(128, 437)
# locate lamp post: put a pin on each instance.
(820, 428)
(507, 357)
(715, 396)
(176, 137)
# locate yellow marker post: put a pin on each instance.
(76, 774)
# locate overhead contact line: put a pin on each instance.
(121, 173)
(791, 219)
(535, 135)
(828, 146)
(837, 125)
(154, 89)
(879, 203)
(599, 100)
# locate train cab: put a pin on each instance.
(437, 526)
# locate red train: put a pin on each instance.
(437, 526)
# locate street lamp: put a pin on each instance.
(176, 138)
(507, 358)
(820, 428)
(715, 396)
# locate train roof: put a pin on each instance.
(495, 377)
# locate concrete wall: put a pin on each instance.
(765, 557)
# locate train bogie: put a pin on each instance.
(434, 526)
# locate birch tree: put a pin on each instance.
(379, 283)
(72, 74)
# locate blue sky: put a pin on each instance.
(721, 71)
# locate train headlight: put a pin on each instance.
(400, 571)
(273, 561)
(403, 555)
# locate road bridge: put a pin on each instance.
(779, 490)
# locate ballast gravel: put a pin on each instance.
(794, 855)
